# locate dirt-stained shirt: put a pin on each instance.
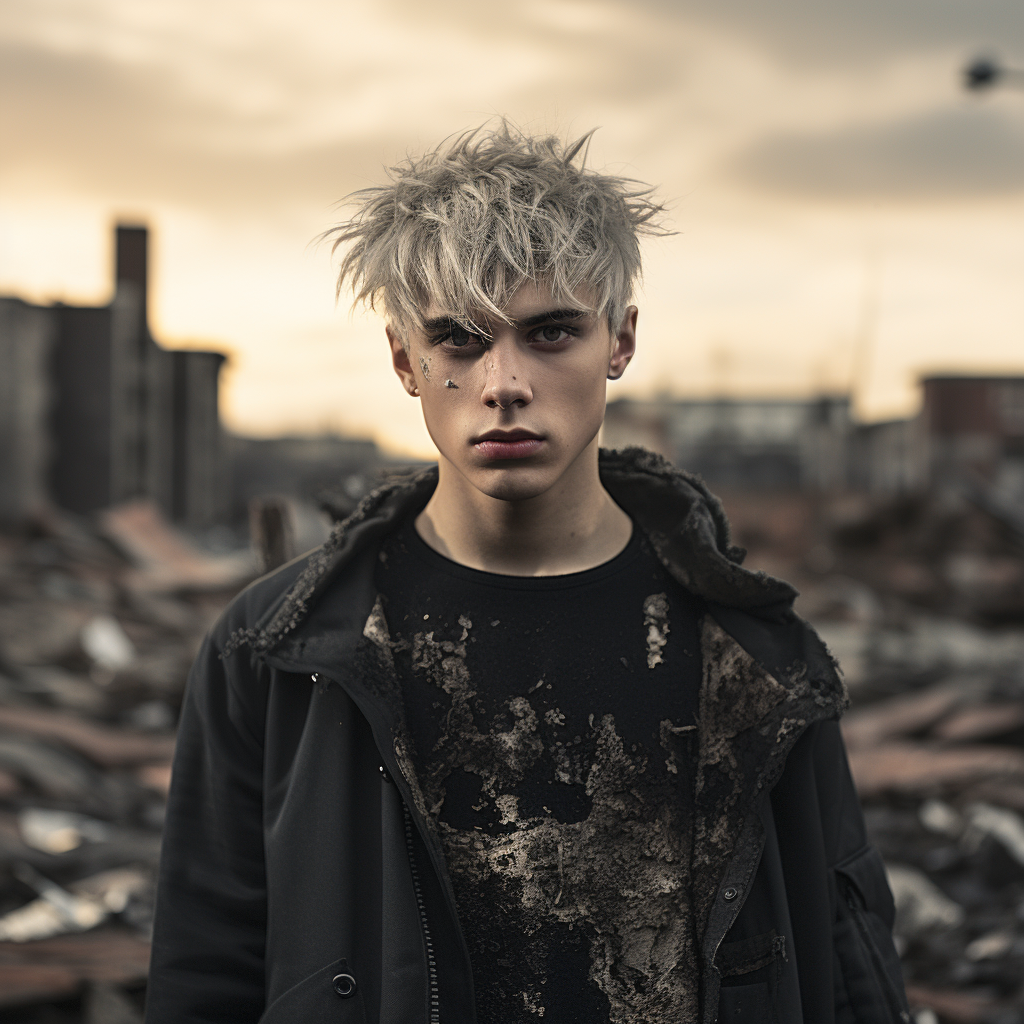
(551, 722)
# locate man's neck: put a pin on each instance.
(572, 526)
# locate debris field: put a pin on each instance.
(99, 623)
(921, 601)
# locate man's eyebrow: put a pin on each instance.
(551, 315)
(439, 324)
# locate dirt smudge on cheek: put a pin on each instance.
(656, 625)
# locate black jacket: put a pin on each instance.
(299, 882)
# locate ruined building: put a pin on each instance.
(755, 443)
(969, 432)
(94, 412)
(975, 425)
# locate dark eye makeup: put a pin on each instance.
(453, 335)
(460, 337)
(456, 337)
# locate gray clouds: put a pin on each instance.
(171, 122)
(968, 152)
(838, 33)
(128, 132)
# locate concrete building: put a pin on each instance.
(969, 432)
(26, 342)
(888, 457)
(112, 414)
(200, 478)
(307, 468)
(742, 443)
(973, 425)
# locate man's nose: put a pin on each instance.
(506, 380)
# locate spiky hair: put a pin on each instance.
(468, 223)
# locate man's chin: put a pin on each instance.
(514, 482)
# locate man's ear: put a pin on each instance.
(623, 345)
(401, 362)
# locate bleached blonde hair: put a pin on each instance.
(468, 223)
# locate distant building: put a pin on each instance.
(26, 342)
(99, 413)
(742, 443)
(888, 457)
(339, 470)
(970, 431)
(974, 425)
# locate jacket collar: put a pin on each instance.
(684, 522)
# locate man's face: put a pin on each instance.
(515, 411)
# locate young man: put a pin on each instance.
(523, 740)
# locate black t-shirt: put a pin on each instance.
(551, 721)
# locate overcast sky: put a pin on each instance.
(833, 188)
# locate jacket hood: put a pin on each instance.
(683, 520)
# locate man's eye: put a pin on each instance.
(552, 333)
(460, 337)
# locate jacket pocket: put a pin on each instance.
(330, 996)
(869, 978)
(746, 1004)
(750, 969)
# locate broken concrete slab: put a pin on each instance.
(104, 745)
(40, 971)
(165, 560)
(920, 904)
(55, 831)
(1006, 827)
(981, 722)
(903, 715)
(919, 769)
(106, 643)
(80, 907)
(55, 912)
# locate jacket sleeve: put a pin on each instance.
(840, 904)
(868, 971)
(210, 929)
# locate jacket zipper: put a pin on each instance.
(384, 729)
(435, 1006)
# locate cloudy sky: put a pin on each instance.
(846, 215)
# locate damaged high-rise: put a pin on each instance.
(94, 412)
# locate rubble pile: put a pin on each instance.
(922, 602)
(957, 553)
(940, 772)
(98, 627)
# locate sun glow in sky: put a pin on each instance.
(846, 215)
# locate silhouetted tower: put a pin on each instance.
(131, 419)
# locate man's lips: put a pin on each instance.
(511, 444)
